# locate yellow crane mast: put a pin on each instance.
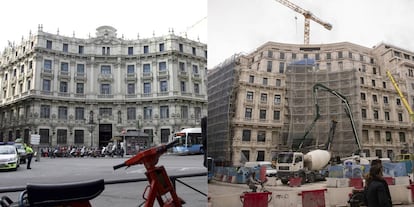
(308, 16)
(403, 99)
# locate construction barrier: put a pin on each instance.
(313, 198)
(257, 199)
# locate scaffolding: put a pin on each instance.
(301, 76)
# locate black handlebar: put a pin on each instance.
(119, 166)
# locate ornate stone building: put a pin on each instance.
(74, 91)
(270, 100)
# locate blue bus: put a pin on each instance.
(190, 142)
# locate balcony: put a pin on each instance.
(146, 76)
(131, 96)
(105, 96)
(63, 94)
(64, 75)
(162, 94)
(196, 77)
(131, 77)
(46, 73)
(163, 74)
(105, 77)
(80, 77)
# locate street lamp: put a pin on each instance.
(91, 126)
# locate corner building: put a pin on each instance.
(269, 104)
(74, 91)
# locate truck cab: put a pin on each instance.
(288, 164)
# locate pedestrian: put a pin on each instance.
(252, 181)
(29, 152)
(377, 191)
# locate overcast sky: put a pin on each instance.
(129, 17)
(243, 25)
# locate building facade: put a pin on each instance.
(74, 91)
(272, 102)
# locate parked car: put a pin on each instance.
(270, 171)
(9, 157)
(21, 151)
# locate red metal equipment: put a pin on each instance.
(160, 184)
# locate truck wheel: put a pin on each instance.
(284, 182)
(311, 178)
(303, 176)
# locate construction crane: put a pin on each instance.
(403, 99)
(308, 16)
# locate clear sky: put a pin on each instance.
(236, 26)
(129, 17)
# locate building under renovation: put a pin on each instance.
(83, 92)
(269, 104)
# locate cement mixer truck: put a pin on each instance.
(310, 166)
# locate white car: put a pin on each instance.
(9, 158)
(270, 171)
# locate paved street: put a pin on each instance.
(61, 170)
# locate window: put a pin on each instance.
(79, 88)
(378, 153)
(181, 66)
(64, 67)
(340, 54)
(276, 115)
(45, 111)
(161, 47)
(251, 79)
(388, 137)
(163, 86)
(28, 85)
(108, 50)
(184, 112)
(264, 81)
(79, 137)
(181, 47)
(263, 97)
(162, 66)
(182, 86)
(105, 111)
(328, 56)
(282, 55)
(376, 114)
(103, 50)
(281, 67)
(361, 80)
(374, 98)
(246, 135)
(46, 85)
(329, 66)
(80, 68)
(131, 88)
(249, 95)
(196, 88)
(364, 113)
(146, 49)
(147, 112)
(374, 70)
(65, 47)
(22, 69)
(195, 69)
(385, 100)
(398, 102)
(130, 50)
(48, 44)
(261, 136)
(80, 49)
(387, 115)
(197, 113)
(363, 97)
(373, 83)
(105, 89)
(30, 64)
(278, 83)
(194, 51)
(164, 112)
(63, 87)
(248, 113)
(269, 66)
(277, 100)
(361, 58)
(341, 65)
(131, 113)
(146, 68)
(384, 84)
(63, 112)
(245, 155)
(402, 136)
(260, 155)
(400, 117)
(47, 65)
(317, 56)
(147, 88)
(62, 136)
(79, 113)
(105, 69)
(262, 114)
(131, 69)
